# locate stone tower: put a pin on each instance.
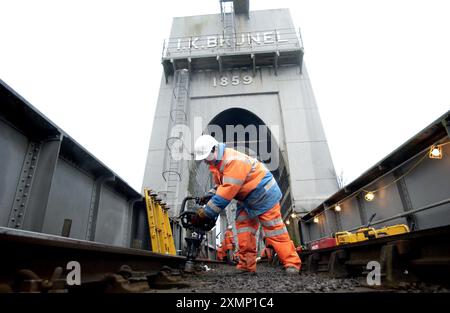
(240, 76)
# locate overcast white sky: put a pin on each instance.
(380, 70)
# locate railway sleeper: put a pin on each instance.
(125, 280)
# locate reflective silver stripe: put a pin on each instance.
(232, 180)
(276, 232)
(214, 207)
(270, 184)
(253, 166)
(241, 218)
(222, 166)
(274, 222)
(246, 229)
(253, 163)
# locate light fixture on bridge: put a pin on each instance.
(293, 215)
(316, 219)
(287, 222)
(435, 152)
(369, 196)
(337, 208)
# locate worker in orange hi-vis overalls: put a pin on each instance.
(267, 253)
(238, 176)
(228, 245)
(220, 253)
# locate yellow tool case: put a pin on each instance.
(392, 230)
(367, 233)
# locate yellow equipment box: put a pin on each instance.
(367, 233)
(392, 230)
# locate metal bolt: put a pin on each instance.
(33, 158)
(13, 219)
(25, 195)
(22, 204)
(27, 185)
(17, 225)
(20, 214)
(32, 166)
(15, 209)
(18, 199)
(29, 176)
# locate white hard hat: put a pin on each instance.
(203, 146)
(230, 227)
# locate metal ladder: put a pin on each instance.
(175, 146)
(229, 30)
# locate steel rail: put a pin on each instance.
(39, 256)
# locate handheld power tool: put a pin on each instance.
(194, 234)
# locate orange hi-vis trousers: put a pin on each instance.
(276, 235)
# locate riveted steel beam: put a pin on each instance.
(41, 184)
(95, 203)
(22, 195)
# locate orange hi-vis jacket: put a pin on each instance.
(229, 240)
(220, 253)
(245, 179)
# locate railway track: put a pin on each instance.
(418, 256)
(36, 262)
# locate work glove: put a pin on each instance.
(201, 213)
(203, 221)
(207, 196)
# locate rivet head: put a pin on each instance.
(17, 225)
(33, 158)
(13, 220)
(27, 185)
(20, 214)
(22, 204)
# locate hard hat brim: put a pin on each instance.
(199, 157)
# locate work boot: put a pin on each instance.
(290, 270)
